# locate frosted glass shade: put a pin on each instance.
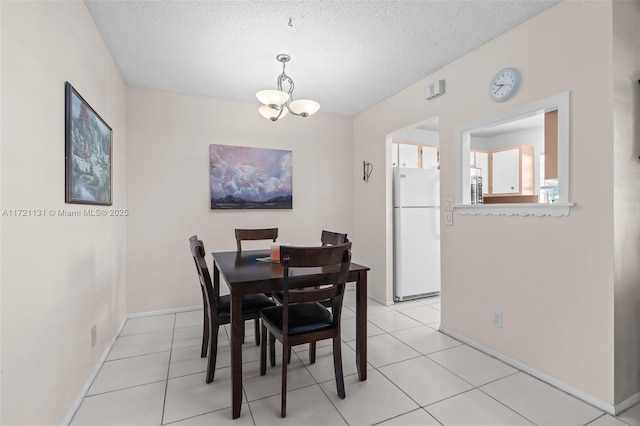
(270, 113)
(304, 107)
(272, 97)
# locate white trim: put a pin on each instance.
(71, 412)
(581, 395)
(560, 102)
(515, 209)
(164, 312)
(383, 302)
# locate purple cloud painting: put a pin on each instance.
(250, 178)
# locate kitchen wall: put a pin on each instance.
(60, 275)
(168, 186)
(551, 277)
(626, 195)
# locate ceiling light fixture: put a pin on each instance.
(277, 103)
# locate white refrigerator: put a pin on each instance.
(416, 226)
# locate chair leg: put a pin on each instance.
(257, 331)
(285, 361)
(263, 352)
(213, 352)
(205, 331)
(337, 366)
(312, 352)
(272, 349)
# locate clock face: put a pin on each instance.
(504, 84)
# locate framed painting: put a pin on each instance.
(88, 140)
(250, 178)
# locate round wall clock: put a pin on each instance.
(504, 84)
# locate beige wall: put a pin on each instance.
(60, 275)
(168, 186)
(626, 128)
(552, 278)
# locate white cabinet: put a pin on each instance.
(429, 157)
(512, 171)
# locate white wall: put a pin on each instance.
(626, 131)
(60, 275)
(428, 137)
(552, 280)
(168, 186)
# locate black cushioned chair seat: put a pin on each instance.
(250, 303)
(303, 317)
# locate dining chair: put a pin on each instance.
(301, 318)
(217, 309)
(255, 234)
(327, 238)
(333, 238)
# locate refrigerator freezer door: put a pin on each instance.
(417, 252)
(416, 187)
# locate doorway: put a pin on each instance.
(415, 210)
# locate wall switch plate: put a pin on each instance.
(448, 218)
(448, 204)
(496, 319)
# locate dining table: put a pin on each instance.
(252, 272)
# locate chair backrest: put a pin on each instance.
(338, 257)
(198, 253)
(255, 234)
(333, 238)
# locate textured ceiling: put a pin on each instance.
(347, 55)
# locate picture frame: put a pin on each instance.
(88, 149)
(250, 178)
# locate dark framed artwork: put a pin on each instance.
(88, 140)
(250, 178)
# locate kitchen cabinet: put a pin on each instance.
(430, 157)
(413, 155)
(512, 171)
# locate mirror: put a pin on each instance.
(520, 157)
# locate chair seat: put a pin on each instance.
(303, 317)
(251, 303)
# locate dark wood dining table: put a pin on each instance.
(246, 275)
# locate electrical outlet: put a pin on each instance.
(94, 336)
(448, 218)
(496, 319)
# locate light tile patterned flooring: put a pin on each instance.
(417, 376)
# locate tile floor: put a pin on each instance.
(417, 376)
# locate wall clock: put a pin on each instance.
(504, 85)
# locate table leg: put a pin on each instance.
(361, 325)
(237, 328)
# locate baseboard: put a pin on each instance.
(71, 412)
(383, 302)
(581, 395)
(627, 403)
(164, 312)
(83, 392)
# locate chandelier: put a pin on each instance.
(277, 103)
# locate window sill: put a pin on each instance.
(524, 209)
